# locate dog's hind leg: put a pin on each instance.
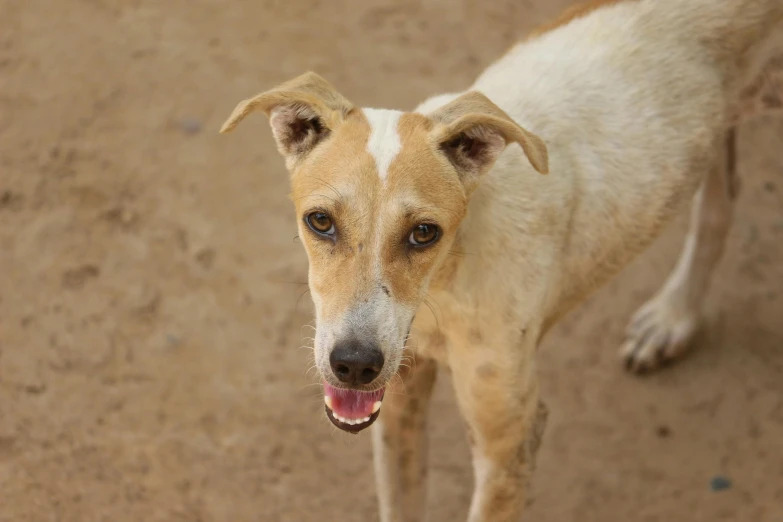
(662, 329)
(400, 444)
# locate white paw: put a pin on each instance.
(659, 333)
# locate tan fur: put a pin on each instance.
(570, 14)
(630, 105)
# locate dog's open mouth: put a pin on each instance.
(352, 410)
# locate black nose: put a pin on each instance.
(356, 363)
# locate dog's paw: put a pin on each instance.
(659, 333)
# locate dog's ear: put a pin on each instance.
(473, 132)
(302, 113)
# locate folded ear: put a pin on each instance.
(302, 113)
(474, 131)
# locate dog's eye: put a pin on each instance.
(423, 235)
(320, 223)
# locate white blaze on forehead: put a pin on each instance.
(384, 143)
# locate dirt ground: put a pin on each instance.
(151, 291)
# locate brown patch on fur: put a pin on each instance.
(487, 371)
(570, 14)
(732, 180)
(435, 345)
(475, 336)
(764, 94)
(539, 427)
(437, 340)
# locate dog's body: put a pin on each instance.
(636, 103)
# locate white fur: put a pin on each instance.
(384, 142)
(634, 102)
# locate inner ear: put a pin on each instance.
(302, 113)
(473, 132)
(472, 150)
(297, 129)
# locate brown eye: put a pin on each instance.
(423, 235)
(320, 223)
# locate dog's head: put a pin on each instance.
(379, 197)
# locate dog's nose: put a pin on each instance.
(356, 363)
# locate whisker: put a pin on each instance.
(457, 253)
(314, 195)
(437, 321)
(330, 186)
(300, 298)
(398, 378)
(452, 210)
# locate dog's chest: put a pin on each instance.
(435, 325)
(428, 332)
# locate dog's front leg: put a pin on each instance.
(400, 444)
(498, 396)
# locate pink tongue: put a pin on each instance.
(352, 404)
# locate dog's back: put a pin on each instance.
(632, 98)
(683, 56)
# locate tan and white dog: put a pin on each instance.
(505, 206)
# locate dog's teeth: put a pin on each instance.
(328, 401)
(350, 422)
(376, 407)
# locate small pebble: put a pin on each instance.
(769, 186)
(720, 483)
(663, 431)
(190, 126)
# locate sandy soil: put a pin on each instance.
(151, 291)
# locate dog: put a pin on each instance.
(504, 206)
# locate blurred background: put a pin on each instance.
(152, 293)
